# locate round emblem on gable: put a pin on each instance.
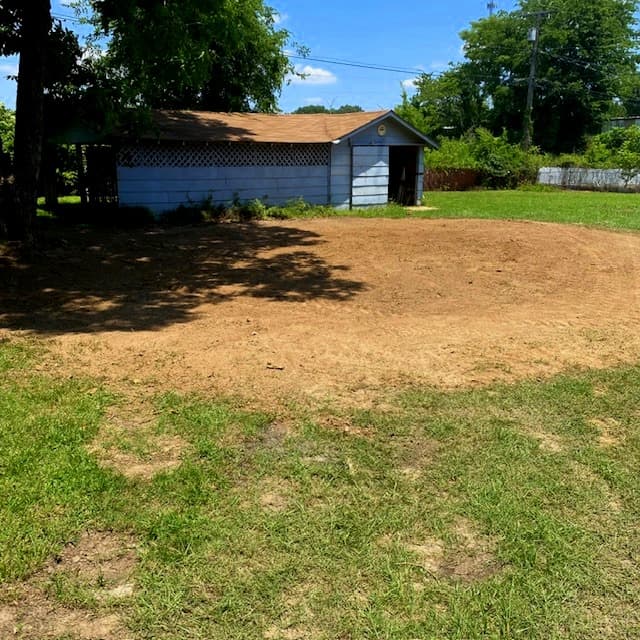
(382, 129)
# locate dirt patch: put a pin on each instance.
(72, 595)
(549, 442)
(275, 494)
(468, 557)
(128, 444)
(343, 308)
(611, 434)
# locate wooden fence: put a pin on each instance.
(451, 179)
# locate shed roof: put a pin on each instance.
(207, 126)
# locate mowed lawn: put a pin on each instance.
(608, 210)
(503, 512)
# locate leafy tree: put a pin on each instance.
(586, 65)
(319, 108)
(25, 30)
(348, 108)
(448, 104)
(202, 54)
(7, 126)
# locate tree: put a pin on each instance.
(7, 127)
(319, 108)
(200, 54)
(445, 105)
(25, 30)
(586, 64)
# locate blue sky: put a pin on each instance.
(414, 37)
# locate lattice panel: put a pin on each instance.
(225, 155)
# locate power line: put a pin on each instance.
(361, 65)
(65, 18)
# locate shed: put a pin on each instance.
(345, 160)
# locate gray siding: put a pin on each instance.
(370, 184)
(420, 177)
(395, 135)
(354, 172)
(164, 188)
(341, 175)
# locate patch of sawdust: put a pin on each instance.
(610, 431)
(101, 565)
(127, 443)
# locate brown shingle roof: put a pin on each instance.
(206, 126)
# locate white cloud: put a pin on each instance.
(312, 75)
(9, 69)
(279, 18)
(409, 83)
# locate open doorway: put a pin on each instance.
(403, 173)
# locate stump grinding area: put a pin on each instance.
(344, 308)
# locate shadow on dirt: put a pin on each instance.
(87, 280)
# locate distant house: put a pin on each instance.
(621, 123)
(346, 160)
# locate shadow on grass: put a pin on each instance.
(84, 280)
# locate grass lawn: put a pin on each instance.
(507, 512)
(609, 210)
(613, 210)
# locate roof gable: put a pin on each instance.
(207, 126)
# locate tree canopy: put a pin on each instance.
(319, 108)
(205, 54)
(586, 71)
(7, 126)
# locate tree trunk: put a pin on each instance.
(48, 175)
(34, 34)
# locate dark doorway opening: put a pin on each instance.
(403, 172)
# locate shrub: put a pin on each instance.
(452, 154)
(501, 164)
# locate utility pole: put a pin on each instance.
(534, 38)
(491, 6)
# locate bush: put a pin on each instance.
(452, 154)
(502, 165)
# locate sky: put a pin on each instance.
(416, 37)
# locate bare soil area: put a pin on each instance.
(344, 308)
(95, 574)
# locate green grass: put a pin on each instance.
(316, 532)
(612, 210)
(608, 210)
